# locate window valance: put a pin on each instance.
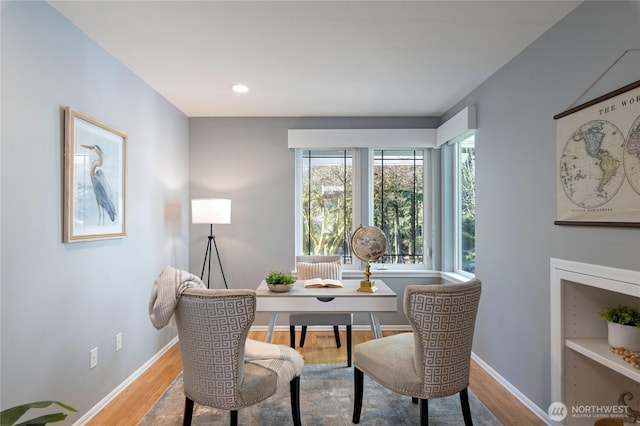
(453, 129)
(362, 138)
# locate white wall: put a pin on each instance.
(60, 300)
(516, 185)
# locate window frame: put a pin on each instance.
(362, 199)
(457, 208)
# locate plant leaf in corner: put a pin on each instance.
(11, 415)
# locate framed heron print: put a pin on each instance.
(95, 180)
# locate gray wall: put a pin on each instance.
(60, 300)
(516, 187)
(247, 160)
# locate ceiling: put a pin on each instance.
(314, 58)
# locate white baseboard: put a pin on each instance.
(512, 390)
(114, 393)
(494, 374)
(501, 380)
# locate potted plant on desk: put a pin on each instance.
(624, 326)
(279, 281)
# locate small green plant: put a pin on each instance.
(621, 314)
(11, 415)
(279, 277)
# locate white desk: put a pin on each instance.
(345, 299)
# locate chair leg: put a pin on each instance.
(336, 333)
(349, 346)
(466, 410)
(358, 386)
(424, 412)
(234, 417)
(292, 336)
(188, 412)
(303, 335)
(294, 386)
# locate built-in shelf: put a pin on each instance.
(584, 371)
(599, 351)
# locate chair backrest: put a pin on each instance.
(443, 319)
(213, 326)
(319, 266)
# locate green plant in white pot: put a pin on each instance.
(280, 281)
(624, 326)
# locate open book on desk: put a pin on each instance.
(319, 282)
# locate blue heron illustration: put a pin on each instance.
(101, 187)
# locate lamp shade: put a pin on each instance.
(211, 210)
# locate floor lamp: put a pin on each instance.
(212, 211)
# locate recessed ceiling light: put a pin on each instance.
(239, 88)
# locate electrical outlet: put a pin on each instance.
(118, 341)
(93, 357)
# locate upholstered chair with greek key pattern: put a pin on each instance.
(212, 327)
(325, 267)
(434, 360)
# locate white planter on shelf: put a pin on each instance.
(626, 336)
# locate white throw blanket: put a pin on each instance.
(286, 362)
(166, 291)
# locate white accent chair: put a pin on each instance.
(434, 360)
(213, 326)
(325, 267)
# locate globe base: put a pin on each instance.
(367, 286)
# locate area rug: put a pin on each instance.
(326, 398)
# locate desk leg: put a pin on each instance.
(272, 324)
(376, 331)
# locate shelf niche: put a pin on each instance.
(584, 372)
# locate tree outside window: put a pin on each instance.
(327, 203)
(398, 203)
(467, 194)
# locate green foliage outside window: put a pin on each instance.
(398, 204)
(326, 204)
(468, 207)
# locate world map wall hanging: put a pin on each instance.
(598, 161)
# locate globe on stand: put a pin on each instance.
(368, 244)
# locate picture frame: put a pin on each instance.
(598, 161)
(95, 180)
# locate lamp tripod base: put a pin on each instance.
(207, 257)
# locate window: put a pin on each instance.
(340, 189)
(398, 203)
(466, 205)
(416, 184)
(327, 202)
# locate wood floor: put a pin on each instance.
(132, 404)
